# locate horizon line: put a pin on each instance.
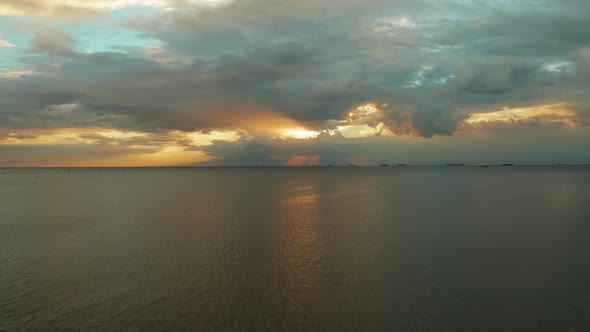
(305, 166)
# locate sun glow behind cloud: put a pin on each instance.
(299, 133)
(362, 121)
(134, 148)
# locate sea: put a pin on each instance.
(416, 248)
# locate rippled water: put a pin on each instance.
(253, 249)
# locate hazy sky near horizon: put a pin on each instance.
(294, 82)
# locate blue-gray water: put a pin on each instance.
(298, 249)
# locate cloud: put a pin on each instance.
(16, 73)
(100, 147)
(53, 42)
(565, 147)
(87, 8)
(6, 44)
(263, 68)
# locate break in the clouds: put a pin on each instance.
(242, 82)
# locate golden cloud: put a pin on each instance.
(546, 115)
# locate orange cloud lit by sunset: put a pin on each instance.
(303, 161)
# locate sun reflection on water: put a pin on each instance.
(299, 253)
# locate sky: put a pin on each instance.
(293, 82)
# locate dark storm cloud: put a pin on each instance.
(52, 41)
(432, 62)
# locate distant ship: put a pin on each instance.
(384, 165)
(455, 164)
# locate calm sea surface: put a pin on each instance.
(301, 249)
